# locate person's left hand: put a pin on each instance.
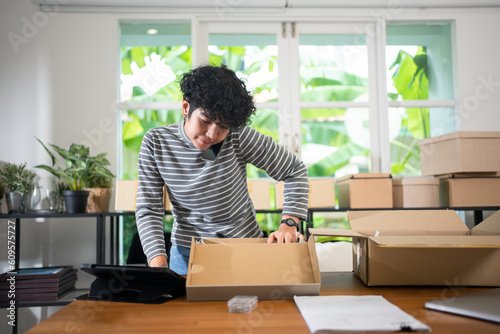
(285, 234)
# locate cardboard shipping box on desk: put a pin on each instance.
(422, 247)
(220, 269)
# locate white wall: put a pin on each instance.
(60, 85)
(478, 81)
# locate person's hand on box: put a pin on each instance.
(286, 233)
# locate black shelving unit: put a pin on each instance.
(100, 233)
(70, 296)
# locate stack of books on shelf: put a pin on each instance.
(37, 284)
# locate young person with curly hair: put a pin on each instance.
(202, 160)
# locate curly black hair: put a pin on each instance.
(219, 93)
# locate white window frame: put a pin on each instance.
(374, 28)
(289, 104)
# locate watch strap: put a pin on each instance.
(290, 222)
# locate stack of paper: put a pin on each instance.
(37, 284)
(355, 314)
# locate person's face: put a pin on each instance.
(201, 130)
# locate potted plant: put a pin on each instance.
(79, 170)
(99, 189)
(17, 180)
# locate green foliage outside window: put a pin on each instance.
(410, 79)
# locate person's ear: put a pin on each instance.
(185, 108)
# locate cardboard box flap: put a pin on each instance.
(417, 181)
(489, 226)
(334, 232)
(432, 241)
(407, 222)
(461, 134)
(364, 176)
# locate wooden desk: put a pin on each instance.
(278, 316)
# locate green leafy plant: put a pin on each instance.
(411, 80)
(2, 190)
(80, 169)
(100, 182)
(16, 177)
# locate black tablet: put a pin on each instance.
(134, 283)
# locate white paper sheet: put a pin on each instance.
(355, 314)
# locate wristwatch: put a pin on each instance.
(290, 222)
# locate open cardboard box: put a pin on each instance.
(422, 247)
(220, 269)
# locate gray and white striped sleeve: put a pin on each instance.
(280, 164)
(149, 209)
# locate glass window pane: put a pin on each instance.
(152, 59)
(419, 63)
(254, 58)
(266, 122)
(335, 142)
(410, 125)
(333, 68)
(134, 124)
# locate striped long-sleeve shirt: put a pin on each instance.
(210, 199)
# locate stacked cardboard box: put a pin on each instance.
(365, 190)
(469, 190)
(126, 195)
(321, 193)
(415, 192)
(467, 165)
(260, 195)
